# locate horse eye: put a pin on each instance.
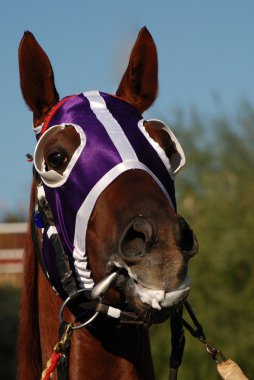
(57, 160)
(170, 150)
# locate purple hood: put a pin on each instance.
(113, 140)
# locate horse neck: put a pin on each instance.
(109, 352)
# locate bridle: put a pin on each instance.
(93, 298)
(43, 217)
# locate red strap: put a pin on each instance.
(52, 112)
(51, 365)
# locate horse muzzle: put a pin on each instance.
(152, 264)
(159, 299)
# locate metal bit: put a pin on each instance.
(102, 287)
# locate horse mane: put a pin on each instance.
(28, 345)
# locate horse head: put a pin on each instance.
(108, 177)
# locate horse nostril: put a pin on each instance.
(185, 238)
(136, 239)
(144, 227)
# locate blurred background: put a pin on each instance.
(206, 61)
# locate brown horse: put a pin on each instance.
(133, 226)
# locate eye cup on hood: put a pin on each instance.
(174, 159)
(51, 177)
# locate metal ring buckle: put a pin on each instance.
(215, 353)
(70, 298)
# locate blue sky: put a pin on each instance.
(204, 47)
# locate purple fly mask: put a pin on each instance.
(113, 140)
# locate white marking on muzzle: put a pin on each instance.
(163, 299)
(157, 298)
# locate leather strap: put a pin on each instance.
(177, 343)
(123, 316)
(61, 258)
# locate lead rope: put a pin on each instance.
(227, 368)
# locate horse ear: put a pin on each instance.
(139, 85)
(36, 77)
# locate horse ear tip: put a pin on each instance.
(28, 35)
(27, 40)
(145, 30)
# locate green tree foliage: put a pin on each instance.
(215, 194)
